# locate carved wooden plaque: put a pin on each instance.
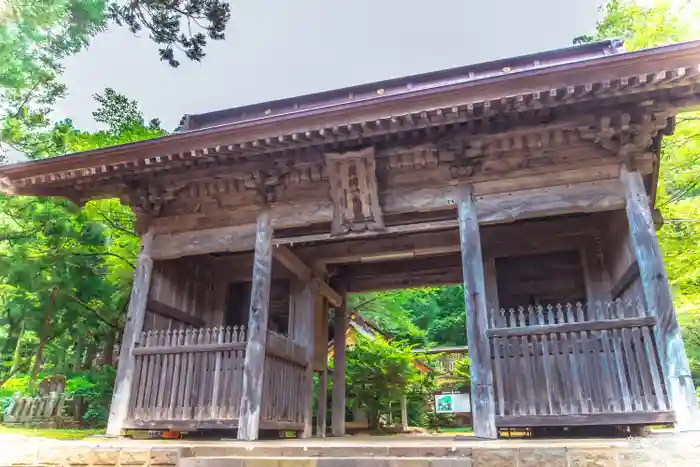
(353, 189)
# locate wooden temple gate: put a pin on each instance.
(529, 180)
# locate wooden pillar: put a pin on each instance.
(657, 293)
(595, 275)
(302, 331)
(404, 412)
(253, 372)
(340, 324)
(483, 404)
(322, 359)
(136, 313)
(322, 403)
(491, 285)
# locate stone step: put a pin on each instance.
(287, 461)
(663, 452)
(333, 450)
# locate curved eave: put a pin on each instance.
(584, 80)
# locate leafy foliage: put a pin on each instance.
(36, 36)
(378, 373)
(650, 24)
(424, 317)
(65, 272)
(95, 388)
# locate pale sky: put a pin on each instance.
(284, 48)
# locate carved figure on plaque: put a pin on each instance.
(353, 190)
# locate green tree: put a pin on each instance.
(378, 374)
(66, 271)
(37, 35)
(424, 317)
(651, 24)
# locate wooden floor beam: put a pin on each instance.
(118, 409)
(253, 371)
(483, 403)
(657, 292)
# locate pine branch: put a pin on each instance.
(97, 313)
(106, 253)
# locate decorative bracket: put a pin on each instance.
(265, 186)
(626, 136)
(353, 189)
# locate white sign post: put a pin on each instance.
(453, 403)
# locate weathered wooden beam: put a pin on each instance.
(498, 240)
(625, 280)
(304, 273)
(136, 313)
(599, 325)
(199, 242)
(198, 348)
(439, 270)
(435, 277)
(590, 419)
(253, 371)
(657, 293)
(483, 402)
(498, 208)
(340, 324)
(168, 311)
(604, 195)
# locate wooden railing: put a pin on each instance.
(284, 391)
(576, 360)
(190, 375)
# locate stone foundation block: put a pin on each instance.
(542, 457)
(494, 458)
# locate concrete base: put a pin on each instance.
(665, 450)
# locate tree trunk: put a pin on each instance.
(89, 357)
(108, 348)
(78, 357)
(17, 354)
(43, 338)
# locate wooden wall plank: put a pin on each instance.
(659, 301)
(483, 403)
(173, 313)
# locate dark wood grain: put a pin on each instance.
(173, 313)
(630, 274)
